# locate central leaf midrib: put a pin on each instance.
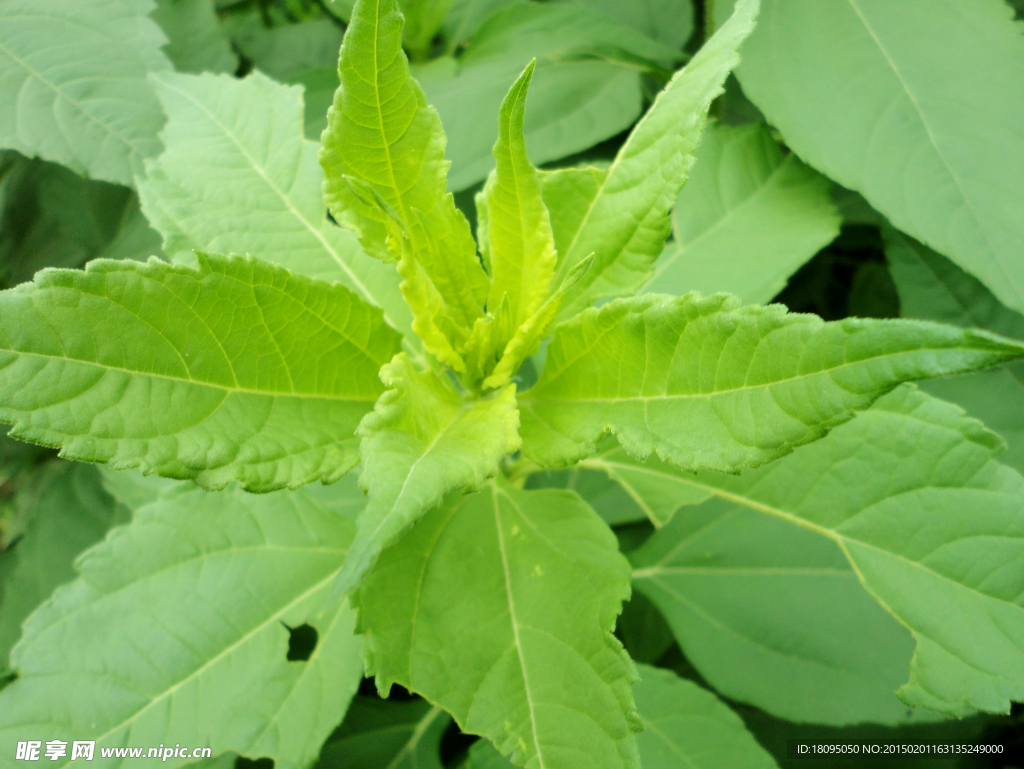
(196, 382)
(515, 626)
(684, 396)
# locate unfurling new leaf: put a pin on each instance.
(392, 191)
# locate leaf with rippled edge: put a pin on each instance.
(174, 576)
(708, 384)
(73, 83)
(237, 370)
(540, 582)
(237, 177)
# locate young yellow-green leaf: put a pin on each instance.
(525, 656)
(67, 510)
(73, 83)
(382, 134)
(528, 337)
(748, 217)
(708, 384)
(520, 245)
(927, 126)
(212, 582)
(772, 614)
(237, 370)
(387, 734)
(932, 525)
(625, 221)
(237, 177)
(421, 442)
(684, 726)
(933, 288)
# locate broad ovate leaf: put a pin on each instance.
(66, 511)
(73, 83)
(385, 172)
(773, 614)
(421, 442)
(932, 287)
(708, 384)
(625, 221)
(931, 523)
(749, 215)
(236, 176)
(926, 125)
(525, 657)
(173, 576)
(235, 370)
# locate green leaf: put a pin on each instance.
(237, 177)
(587, 86)
(237, 370)
(465, 18)
(519, 250)
(604, 494)
(421, 442)
(392, 191)
(423, 18)
(747, 218)
(520, 246)
(55, 218)
(525, 657)
(68, 511)
(708, 384)
(932, 287)
(385, 734)
(687, 725)
(912, 495)
(654, 486)
(667, 21)
(74, 84)
(684, 726)
(773, 615)
(921, 124)
(197, 42)
(287, 51)
(174, 576)
(625, 223)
